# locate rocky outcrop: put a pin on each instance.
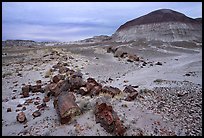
(162, 25)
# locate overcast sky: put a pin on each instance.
(69, 21)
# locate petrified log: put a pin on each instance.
(111, 90)
(54, 89)
(76, 82)
(108, 118)
(66, 107)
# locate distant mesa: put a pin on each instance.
(164, 25)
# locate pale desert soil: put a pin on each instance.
(158, 111)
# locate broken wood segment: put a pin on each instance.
(66, 107)
(107, 117)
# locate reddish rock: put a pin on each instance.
(36, 114)
(131, 96)
(8, 109)
(89, 86)
(25, 91)
(29, 101)
(54, 89)
(46, 99)
(38, 82)
(129, 89)
(92, 80)
(63, 69)
(75, 82)
(60, 83)
(36, 88)
(41, 106)
(66, 107)
(56, 79)
(21, 117)
(111, 90)
(96, 90)
(108, 118)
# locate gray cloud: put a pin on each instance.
(68, 21)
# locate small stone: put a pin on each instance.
(14, 97)
(187, 74)
(23, 109)
(8, 109)
(19, 74)
(21, 117)
(36, 113)
(38, 81)
(46, 99)
(19, 105)
(158, 63)
(25, 91)
(36, 103)
(56, 79)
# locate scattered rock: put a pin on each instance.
(21, 117)
(23, 109)
(14, 97)
(111, 90)
(56, 79)
(36, 114)
(8, 110)
(19, 105)
(38, 82)
(46, 99)
(36, 103)
(129, 89)
(131, 96)
(25, 91)
(36, 88)
(19, 74)
(187, 74)
(158, 63)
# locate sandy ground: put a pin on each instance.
(143, 116)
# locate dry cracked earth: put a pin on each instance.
(167, 82)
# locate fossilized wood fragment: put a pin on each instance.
(66, 107)
(108, 118)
